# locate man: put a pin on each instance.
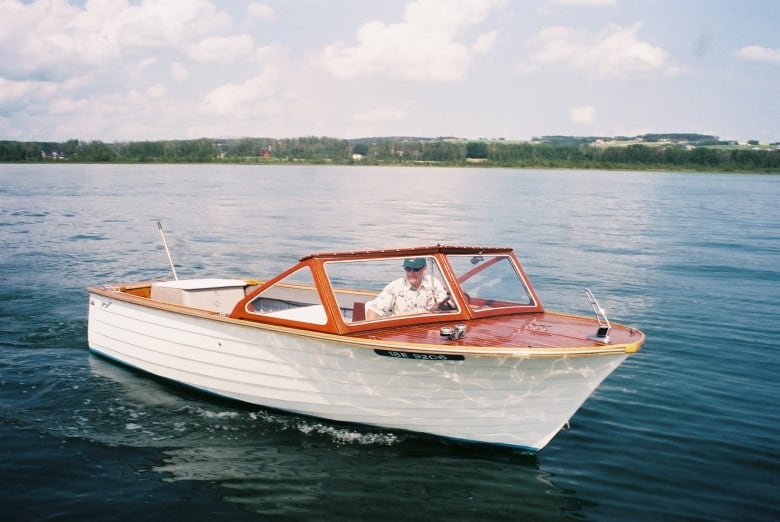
(412, 294)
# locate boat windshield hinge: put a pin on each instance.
(602, 333)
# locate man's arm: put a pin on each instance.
(383, 303)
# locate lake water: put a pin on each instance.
(688, 429)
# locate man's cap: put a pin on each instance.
(414, 262)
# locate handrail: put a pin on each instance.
(602, 333)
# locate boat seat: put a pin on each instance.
(314, 314)
(358, 311)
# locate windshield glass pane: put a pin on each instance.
(386, 288)
(490, 281)
(294, 298)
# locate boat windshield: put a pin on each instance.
(490, 281)
(391, 287)
(294, 298)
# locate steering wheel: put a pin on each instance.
(447, 304)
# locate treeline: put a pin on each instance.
(547, 152)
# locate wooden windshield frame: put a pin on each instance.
(336, 323)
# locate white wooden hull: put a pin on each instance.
(518, 401)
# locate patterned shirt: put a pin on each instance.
(399, 298)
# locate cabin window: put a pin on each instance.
(358, 286)
(490, 281)
(294, 298)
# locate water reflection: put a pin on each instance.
(274, 463)
(389, 483)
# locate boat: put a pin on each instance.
(470, 354)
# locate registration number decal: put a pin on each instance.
(420, 356)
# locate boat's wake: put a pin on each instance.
(341, 435)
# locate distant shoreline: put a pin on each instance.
(617, 168)
(676, 153)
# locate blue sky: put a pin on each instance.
(117, 70)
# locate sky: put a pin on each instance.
(119, 70)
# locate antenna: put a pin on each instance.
(167, 252)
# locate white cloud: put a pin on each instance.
(57, 39)
(67, 106)
(586, 3)
(556, 7)
(170, 23)
(11, 91)
(426, 46)
(41, 40)
(137, 71)
(383, 114)
(246, 97)
(156, 91)
(485, 42)
(583, 114)
(179, 73)
(269, 53)
(614, 52)
(758, 53)
(220, 50)
(259, 12)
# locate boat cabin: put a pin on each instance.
(343, 292)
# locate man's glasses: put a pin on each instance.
(410, 269)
